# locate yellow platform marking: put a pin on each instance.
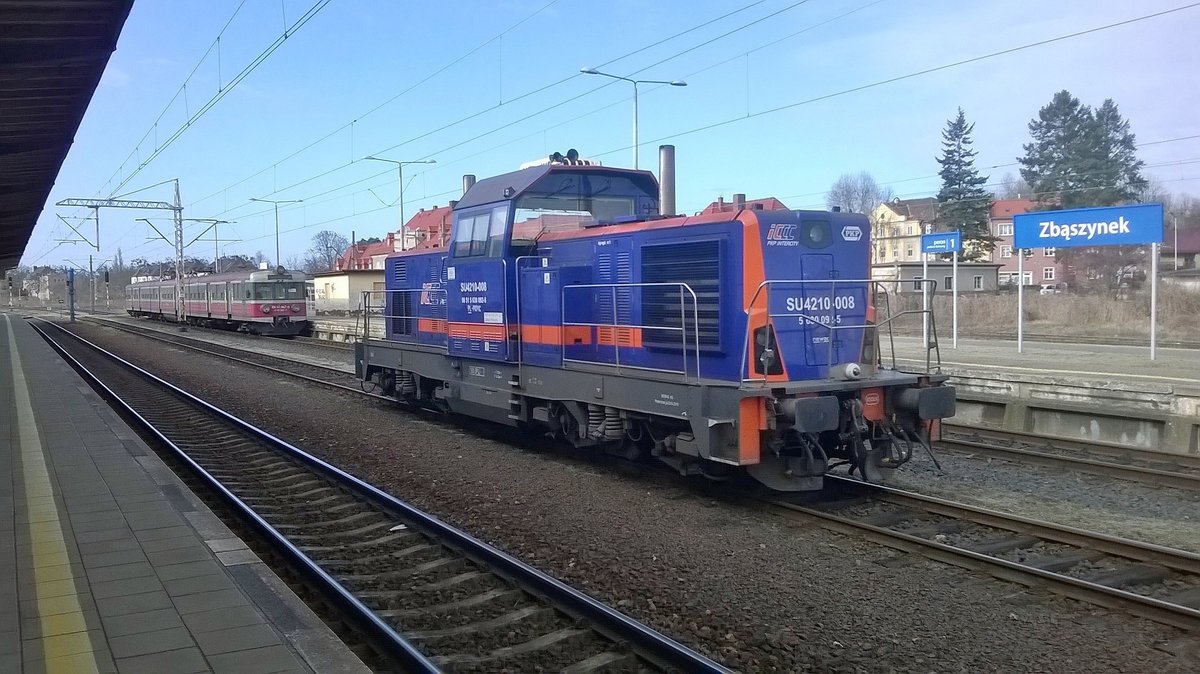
(66, 646)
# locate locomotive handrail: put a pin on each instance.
(873, 284)
(368, 308)
(613, 287)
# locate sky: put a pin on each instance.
(782, 97)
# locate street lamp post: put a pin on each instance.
(635, 83)
(400, 174)
(277, 202)
(1175, 247)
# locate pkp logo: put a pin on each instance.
(781, 232)
(851, 233)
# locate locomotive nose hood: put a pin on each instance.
(806, 293)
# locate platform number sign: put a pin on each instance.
(942, 242)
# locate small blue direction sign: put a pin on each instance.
(942, 242)
(1113, 226)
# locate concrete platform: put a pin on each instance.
(1092, 364)
(108, 563)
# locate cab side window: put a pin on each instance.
(481, 234)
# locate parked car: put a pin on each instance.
(1051, 289)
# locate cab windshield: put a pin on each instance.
(569, 201)
(285, 291)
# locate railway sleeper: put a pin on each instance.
(341, 521)
(555, 640)
(476, 600)
(344, 534)
(510, 618)
(1002, 544)
(439, 564)
(1059, 563)
(361, 545)
(1137, 574)
(1189, 597)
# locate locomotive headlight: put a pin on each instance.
(816, 233)
(296, 308)
(266, 308)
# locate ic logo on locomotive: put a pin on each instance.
(782, 234)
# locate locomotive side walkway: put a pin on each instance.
(108, 563)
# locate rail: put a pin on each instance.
(1148, 580)
(357, 595)
(825, 310)
(685, 293)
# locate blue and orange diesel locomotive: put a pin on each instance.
(565, 304)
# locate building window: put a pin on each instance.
(1049, 252)
(949, 282)
(1006, 251)
(1004, 229)
(977, 282)
(895, 253)
(1028, 280)
(908, 253)
(1028, 252)
(1091, 274)
(1047, 273)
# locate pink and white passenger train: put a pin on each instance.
(261, 302)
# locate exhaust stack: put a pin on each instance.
(666, 180)
(468, 182)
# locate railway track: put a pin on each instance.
(323, 375)
(431, 597)
(1160, 469)
(1097, 458)
(1151, 581)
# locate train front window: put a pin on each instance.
(266, 292)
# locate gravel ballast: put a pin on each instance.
(756, 590)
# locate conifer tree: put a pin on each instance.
(1080, 157)
(963, 203)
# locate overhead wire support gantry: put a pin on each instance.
(177, 210)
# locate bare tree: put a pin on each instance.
(1013, 187)
(857, 193)
(327, 246)
(294, 262)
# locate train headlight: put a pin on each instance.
(266, 308)
(296, 308)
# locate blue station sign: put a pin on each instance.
(942, 242)
(1112, 226)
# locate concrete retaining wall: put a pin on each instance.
(345, 330)
(1151, 416)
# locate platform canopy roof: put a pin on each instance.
(52, 54)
